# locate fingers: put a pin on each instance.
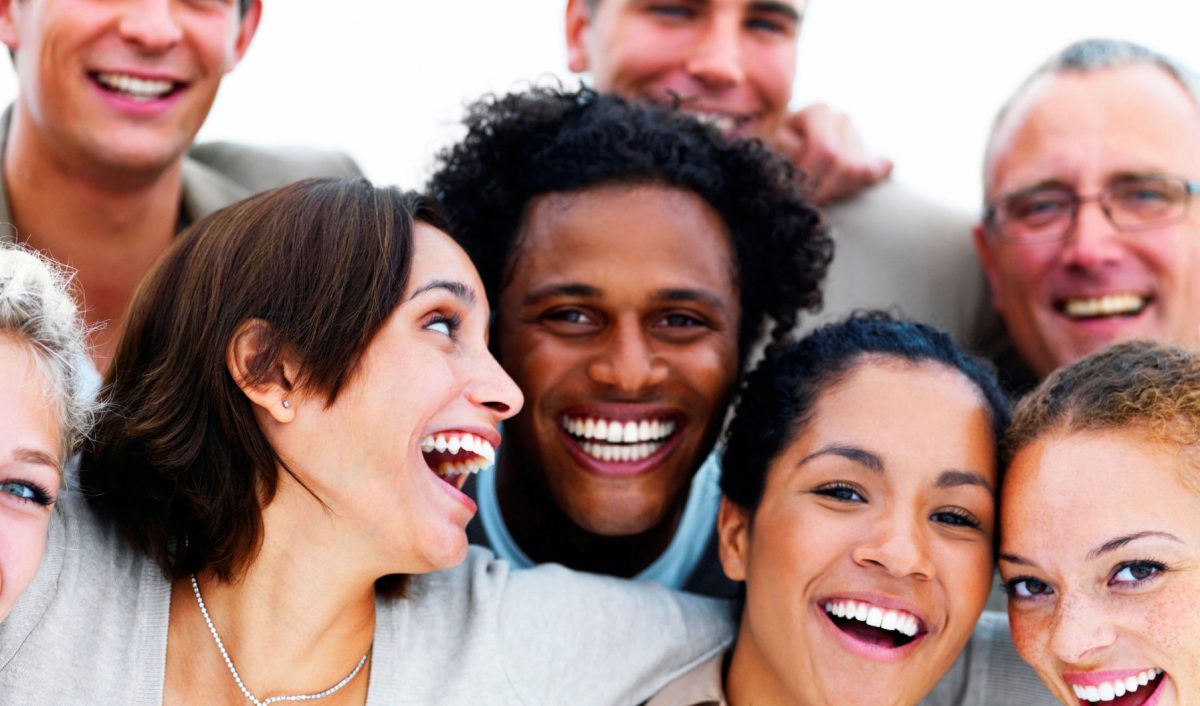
(825, 146)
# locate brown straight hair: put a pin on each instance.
(178, 460)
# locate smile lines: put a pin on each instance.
(1115, 689)
(899, 621)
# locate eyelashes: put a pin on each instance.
(26, 491)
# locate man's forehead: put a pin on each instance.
(1094, 125)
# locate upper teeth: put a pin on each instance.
(455, 442)
(137, 87)
(724, 123)
(897, 620)
(1107, 305)
(1109, 690)
(618, 432)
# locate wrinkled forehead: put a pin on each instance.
(1085, 128)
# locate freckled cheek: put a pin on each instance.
(1170, 622)
(1031, 635)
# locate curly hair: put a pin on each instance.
(778, 399)
(545, 140)
(1148, 388)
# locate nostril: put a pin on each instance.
(498, 406)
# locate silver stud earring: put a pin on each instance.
(287, 404)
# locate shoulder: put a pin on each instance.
(699, 686)
(97, 604)
(260, 168)
(895, 248)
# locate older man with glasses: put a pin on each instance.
(1089, 236)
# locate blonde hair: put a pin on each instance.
(1146, 388)
(36, 307)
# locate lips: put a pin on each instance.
(139, 89)
(879, 626)
(626, 443)
(1129, 689)
(455, 455)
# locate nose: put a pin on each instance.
(1079, 630)
(150, 24)
(494, 389)
(626, 361)
(716, 54)
(1093, 241)
(897, 546)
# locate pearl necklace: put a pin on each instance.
(237, 678)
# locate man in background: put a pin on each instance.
(99, 170)
(734, 62)
(1090, 235)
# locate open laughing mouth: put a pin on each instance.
(1132, 690)
(873, 625)
(1124, 304)
(134, 88)
(455, 455)
(619, 441)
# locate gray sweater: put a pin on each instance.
(92, 629)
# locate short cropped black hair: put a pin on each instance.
(547, 140)
(779, 397)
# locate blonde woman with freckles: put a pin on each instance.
(1100, 540)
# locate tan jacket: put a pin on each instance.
(218, 174)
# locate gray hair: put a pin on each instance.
(36, 307)
(1089, 56)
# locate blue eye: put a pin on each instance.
(26, 492)
(1026, 587)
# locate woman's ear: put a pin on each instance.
(733, 531)
(272, 389)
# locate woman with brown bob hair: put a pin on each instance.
(273, 508)
(1100, 527)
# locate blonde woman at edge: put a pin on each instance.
(44, 411)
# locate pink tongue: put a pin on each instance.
(866, 633)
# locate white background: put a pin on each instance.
(386, 80)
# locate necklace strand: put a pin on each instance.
(237, 677)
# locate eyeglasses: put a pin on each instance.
(1045, 214)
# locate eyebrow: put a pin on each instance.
(689, 295)
(1115, 544)
(1109, 546)
(458, 289)
(25, 454)
(776, 8)
(587, 291)
(864, 458)
(954, 479)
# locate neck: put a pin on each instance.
(108, 225)
(547, 535)
(298, 620)
(750, 678)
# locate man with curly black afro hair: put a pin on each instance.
(632, 256)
